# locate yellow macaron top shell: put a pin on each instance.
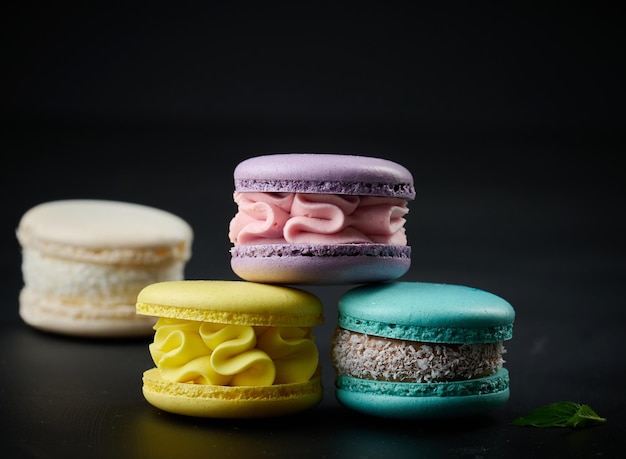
(231, 302)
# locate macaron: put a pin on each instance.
(84, 262)
(418, 350)
(307, 218)
(232, 349)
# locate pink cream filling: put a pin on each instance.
(300, 218)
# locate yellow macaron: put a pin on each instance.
(232, 349)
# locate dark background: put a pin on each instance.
(511, 119)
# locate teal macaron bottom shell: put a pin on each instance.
(440, 400)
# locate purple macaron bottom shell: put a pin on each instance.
(320, 264)
(425, 401)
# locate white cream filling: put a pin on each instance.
(80, 282)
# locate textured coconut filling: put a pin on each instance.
(371, 357)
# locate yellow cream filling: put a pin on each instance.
(232, 355)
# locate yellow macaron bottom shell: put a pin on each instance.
(196, 352)
(230, 402)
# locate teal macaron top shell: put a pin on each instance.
(427, 312)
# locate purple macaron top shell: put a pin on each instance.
(324, 173)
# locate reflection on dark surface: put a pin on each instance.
(158, 434)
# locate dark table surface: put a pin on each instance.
(510, 118)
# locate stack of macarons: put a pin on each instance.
(246, 348)
(400, 349)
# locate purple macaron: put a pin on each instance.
(307, 218)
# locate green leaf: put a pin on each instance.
(560, 414)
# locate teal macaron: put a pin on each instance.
(418, 350)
